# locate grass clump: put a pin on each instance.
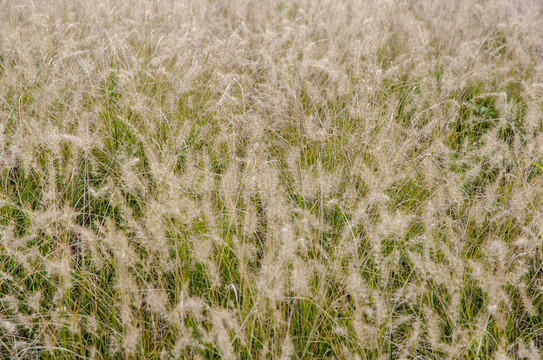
(271, 179)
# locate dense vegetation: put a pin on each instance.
(271, 179)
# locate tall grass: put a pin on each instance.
(271, 179)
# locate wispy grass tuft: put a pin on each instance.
(305, 179)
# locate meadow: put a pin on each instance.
(204, 179)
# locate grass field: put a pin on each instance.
(274, 179)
